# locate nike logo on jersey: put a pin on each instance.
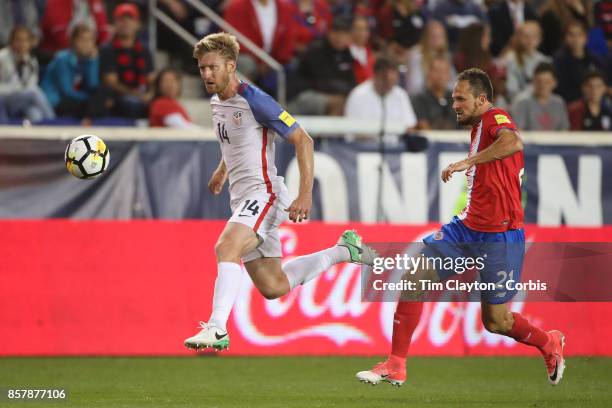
(221, 336)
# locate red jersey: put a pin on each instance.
(493, 188)
(162, 107)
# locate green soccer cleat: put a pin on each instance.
(359, 252)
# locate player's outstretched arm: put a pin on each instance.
(218, 178)
(507, 143)
(304, 150)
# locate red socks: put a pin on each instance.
(526, 333)
(405, 320)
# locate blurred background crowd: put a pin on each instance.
(550, 61)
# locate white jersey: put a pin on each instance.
(246, 126)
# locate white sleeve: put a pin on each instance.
(410, 119)
(177, 121)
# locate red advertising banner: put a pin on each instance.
(140, 288)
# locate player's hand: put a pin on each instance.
(300, 208)
(217, 180)
(455, 167)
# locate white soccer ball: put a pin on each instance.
(87, 157)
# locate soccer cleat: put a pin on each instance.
(209, 336)
(383, 372)
(553, 357)
(359, 252)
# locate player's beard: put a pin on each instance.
(467, 120)
(219, 85)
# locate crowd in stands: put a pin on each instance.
(550, 61)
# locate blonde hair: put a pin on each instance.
(223, 43)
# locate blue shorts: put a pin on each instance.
(501, 255)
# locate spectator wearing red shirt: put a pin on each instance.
(268, 23)
(166, 110)
(61, 15)
(594, 110)
(126, 65)
(310, 19)
(363, 58)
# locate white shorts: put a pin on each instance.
(264, 213)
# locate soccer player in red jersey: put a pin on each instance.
(492, 219)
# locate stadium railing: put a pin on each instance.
(319, 126)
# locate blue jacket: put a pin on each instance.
(62, 73)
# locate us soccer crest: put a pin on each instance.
(237, 118)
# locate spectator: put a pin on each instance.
(380, 97)
(166, 110)
(127, 66)
(594, 110)
(61, 15)
(541, 110)
(434, 106)
(433, 43)
(506, 16)
(20, 13)
(268, 23)
(573, 61)
(524, 58)
(311, 19)
(401, 21)
(325, 73)
(556, 15)
(363, 58)
(456, 15)
(72, 79)
(473, 51)
(20, 96)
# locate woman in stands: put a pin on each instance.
(166, 110)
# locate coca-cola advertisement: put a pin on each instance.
(71, 281)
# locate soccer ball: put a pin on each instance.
(87, 157)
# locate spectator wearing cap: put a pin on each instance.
(20, 95)
(363, 58)
(325, 75)
(541, 110)
(434, 106)
(62, 15)
(381, 97)
(126, 65)
(594, 110)
(268, 23)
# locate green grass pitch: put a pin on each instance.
(287, 382)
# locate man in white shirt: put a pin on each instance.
(381, 99)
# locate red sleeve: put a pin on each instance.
(498, 120)
(282, 48)
(162, 107)
(576, 112)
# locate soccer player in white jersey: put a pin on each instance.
(246, 121)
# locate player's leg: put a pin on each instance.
(444, 243)
(504, 263)
(497, 318)
(405, 320)
(235, 240)
(274, 280)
